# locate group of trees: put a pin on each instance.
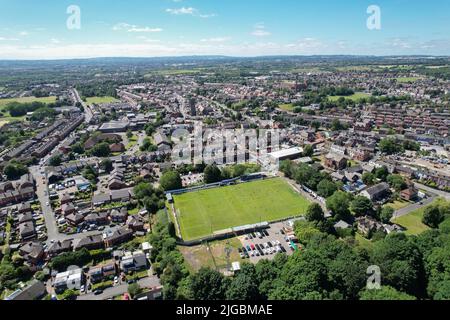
(149, 197)
(329, 268)
(435, 214)
(67, 259)
(167, 261)
(98, 89)
(392, 146)
(55, 160)
(380, 174)
(312, 178)
(213, 174)
(171, 180)
(91, 174)
(101, 150)
(14, 170)
(18, 109)
(148, 146)
(12, 271)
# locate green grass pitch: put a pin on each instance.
(204, 212)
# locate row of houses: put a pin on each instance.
(18, 191)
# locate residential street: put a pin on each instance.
(413, 207)
(432, 192)
(49, 216)
(112, 292)
(440, 193)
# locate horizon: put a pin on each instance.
(84, 29)
(232, 57)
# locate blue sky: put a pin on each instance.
(31, 29)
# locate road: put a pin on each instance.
(135, 149)
(53, 233)
(439, 193)
(434, 194)
(413, 207)
(87, 111)
(42, 194)
(149, 282)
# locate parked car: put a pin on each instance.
(98, 292)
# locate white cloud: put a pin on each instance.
(188, 11)
(133, 28)
(8, 39)
(259, 30)
(217, 39)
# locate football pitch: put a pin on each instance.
(201, 213)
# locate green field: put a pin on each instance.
(287, 107)
(173, 72)
(412, 222)
(100, 100)
(204, 212)
(407, 79)
(6, 118)
(4, 102)
(355, 97)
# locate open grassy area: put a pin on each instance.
(6, 118)
(132, 142)
(363, 242)
(397, 205)
(407, 79)
(173, 72)
(204, 212)
(355, 97)
(413, 222)
(4, 102)
(100, 100)
(214, 257)
(287, 107)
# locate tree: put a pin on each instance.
(107, 165)
(171, 180)
(385, 293)
(326, 188)
(101, 150)
(314, 213)
(401, 262)
(339, 203)
(308, 151)
(389, 146)
(337, 125)
(287, 167)
(78, 148)
(208, 284)
(361, 206)
(305, 231)
(14, 170)
(386, 214)
(212, 174)
(432, 216)
(382, 173)
(368, 178)
(147, 145)
(67, 259)
(396, 181)
(244, 286)
(129, 134)
(134, 289)
(55, 161)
